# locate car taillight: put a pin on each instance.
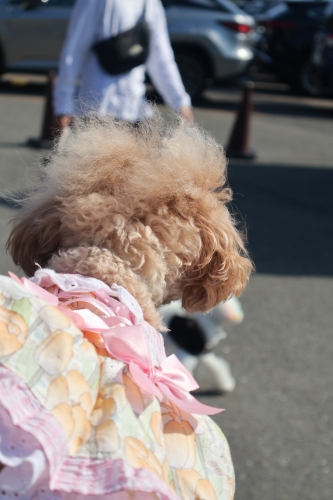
(239, 27)
(284, 25)
(329, 39)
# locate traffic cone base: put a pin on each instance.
(251, 154)
(50, 129)
(36, 143)
(239, 140)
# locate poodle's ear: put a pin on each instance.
(35, 236)
(223, 267)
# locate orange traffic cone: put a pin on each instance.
(239, 141)
(50, 129)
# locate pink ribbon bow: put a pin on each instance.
(127, 342)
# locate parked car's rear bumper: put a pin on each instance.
(231, 67)
(225, 61)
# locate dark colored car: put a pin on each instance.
(288, 31)
(320, 70)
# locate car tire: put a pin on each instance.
(310, 81)
(2, 61)
(193, 70)
(306, 80)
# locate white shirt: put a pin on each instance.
(123, 95)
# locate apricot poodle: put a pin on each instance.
(144, 207)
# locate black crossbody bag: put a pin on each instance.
(125, 51)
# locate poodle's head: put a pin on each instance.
(144, 207)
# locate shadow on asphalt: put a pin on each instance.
(29, 89)
(208, 393)
(223, 103)
(13, 145)
(288, 215)
(294, 108)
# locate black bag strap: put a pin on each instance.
(144, 9)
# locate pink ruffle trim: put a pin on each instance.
(66, 474)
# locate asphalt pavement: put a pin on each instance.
(279, 418)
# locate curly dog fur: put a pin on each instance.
(142, 207)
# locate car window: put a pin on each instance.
(229, 6)
(329, 9)
(317, 13)
(277, 10)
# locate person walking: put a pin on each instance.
(99, 32)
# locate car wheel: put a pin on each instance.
(310, 80)
(2, 61)
(193, 70)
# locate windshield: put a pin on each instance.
(230, 6)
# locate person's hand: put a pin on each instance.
(187, 114)
(63, 121)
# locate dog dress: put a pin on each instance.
(91, 407)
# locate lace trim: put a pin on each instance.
(32, 440)
(81, 284)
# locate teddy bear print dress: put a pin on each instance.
(91, 408)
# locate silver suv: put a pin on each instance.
(212, 39)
